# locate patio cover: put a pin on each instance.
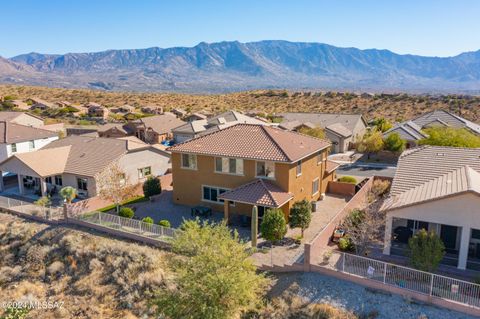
(260, 192)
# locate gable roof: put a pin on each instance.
(460, 180)
(161, 124)
(216, 123)
(446, 118)
(407, 130)
(339, 129)
(252, 141)
(292, 125)
(11, 116)
(44, 162)
(16, 133)
(323, 120)
(259, 192)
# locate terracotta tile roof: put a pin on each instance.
(259, 192)
(15, 133)
(254, 142)
(460, 180)
(331, 166)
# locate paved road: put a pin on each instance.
(367, 169)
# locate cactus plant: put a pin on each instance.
(254, 226)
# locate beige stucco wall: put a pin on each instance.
(131, 162)
(459, 211)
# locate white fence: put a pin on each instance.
(447, 288)
(15, 205)
(129, 225)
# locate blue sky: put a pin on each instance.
(426, 27)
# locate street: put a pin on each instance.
(367, 169)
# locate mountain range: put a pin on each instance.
(233, 66)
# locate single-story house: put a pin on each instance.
(37, 103)
(97, 110)
(124, 109)
(78, 161)
(438, 189)
(152, 109)
(114, 130)
(21, 118)
(155, 129)
(179, 112)
(195, 117)
(343, 130)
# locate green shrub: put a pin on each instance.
(274, 226)
(152, 186)
(450, 136)
(394, 143)
(165, 223)
(345, 244)
(426, 250)
(348, 179)
(126, 212)
(148, 220)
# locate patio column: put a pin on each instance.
(2, 186)
(226, 211)
(387, 242)
(21, 187)
(43, 186)
(463, 252)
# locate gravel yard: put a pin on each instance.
(361, 300)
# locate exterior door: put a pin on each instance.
(448, 234)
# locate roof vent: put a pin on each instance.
(440, 154)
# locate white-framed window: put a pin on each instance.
(31, 145)
(82, 183)
(227, 165)
(265, 169)
(315, 186)
(211, 193)
(48, 180)
(14, 147)
(58, 180)
(189, 161)
(143, 172)
(299, 168)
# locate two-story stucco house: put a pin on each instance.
(248, 165)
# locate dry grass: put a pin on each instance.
(95, 277)
(393, 107)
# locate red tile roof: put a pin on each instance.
(254, 142)
(259, 192)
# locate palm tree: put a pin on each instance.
(68, 193)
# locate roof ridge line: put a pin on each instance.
(268, 191)
(274, 141)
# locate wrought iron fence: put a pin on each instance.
(16, 205)
(443, 287)
(129, 225)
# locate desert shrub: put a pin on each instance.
(348, 179)
(273, 226)
(164, 223)
(126, 212)
(345, 244)
(394, 143)
(380, 187)
(426, 250)
(152, 186)
(148, 220)
(317, 132)
(55, 268)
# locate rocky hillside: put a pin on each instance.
(391, 106)
(234, 66)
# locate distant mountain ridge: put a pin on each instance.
(231, 66)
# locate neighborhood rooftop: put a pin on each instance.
(254, 142)
(161, 123)
(15, 133)
(349, 121)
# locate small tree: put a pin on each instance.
(372, 142)
(426, 250)
(254, 226)
(68, 193)
(216, 280)
(301, 215)
(449, 136)
(152, 186)
(382, 124)
(394, 143)
(43, 201)
(114, 185)
(273, 226)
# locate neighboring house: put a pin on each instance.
(124, 109)
(247, 165)
(97, 110)
(201, 127)
(78, 161)
(19, 104)
(64, 104)
(438, 189)
(411, 131)
(36, 103)
(343, 130)
(16, 138)
(21, 118)
(114, 130)
(155, 129)
(152, 109)
(195, 117)
(179, 112)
